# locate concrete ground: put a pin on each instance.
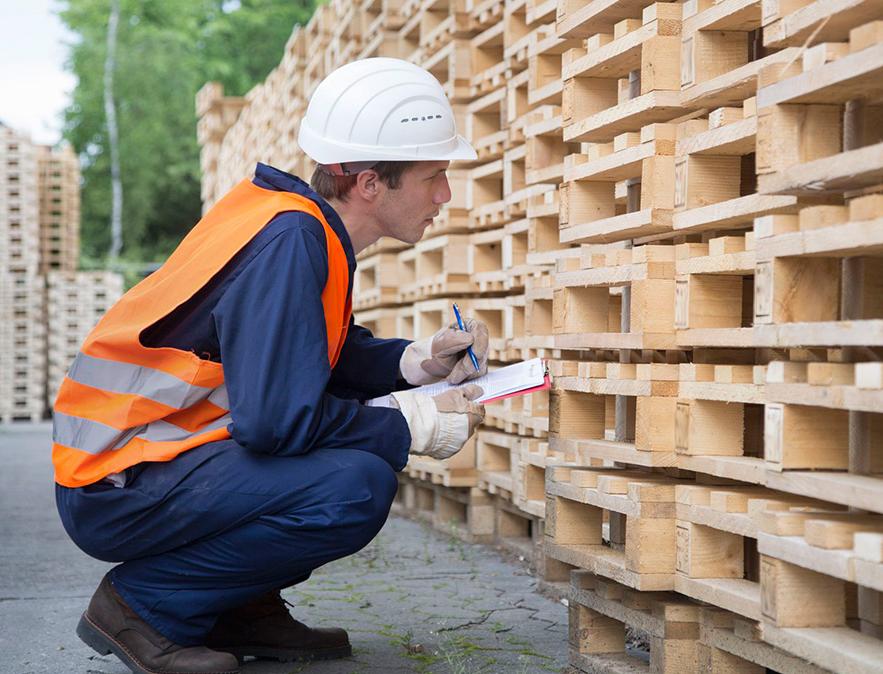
(412, 601)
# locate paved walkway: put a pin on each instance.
(413, 600)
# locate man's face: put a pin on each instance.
(406, 212)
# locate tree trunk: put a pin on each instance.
(116, 214)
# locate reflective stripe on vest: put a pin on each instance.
(123, 403)
(117, 377)
(94, 437)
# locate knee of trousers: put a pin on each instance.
(375, 476)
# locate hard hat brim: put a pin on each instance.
(326, 151)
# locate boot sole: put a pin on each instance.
(288, 654)
(103, 644)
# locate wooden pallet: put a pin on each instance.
(452, 66)
(805, 613)
(486, 127)
(486, 197)
(442, 21)
(731, 643)
(466, 513)
(638, 549)
(625, 80)
(588, 306)
(809, 22)
(496, 456)
(518, 532)
(714, 285)
(545, 58)
(382, 323)
(376, 283)
(441, 267)
(802, 118)
(620, 190)
(601, 613)
(804, 255)
(457, 471)
(488, 65)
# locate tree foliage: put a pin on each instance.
(166, 51)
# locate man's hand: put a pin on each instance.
(444, 355)
(441, 425)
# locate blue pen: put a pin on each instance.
(463, 328)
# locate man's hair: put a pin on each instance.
(328, 186)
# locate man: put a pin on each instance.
(211, 434)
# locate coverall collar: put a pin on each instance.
(270, 178)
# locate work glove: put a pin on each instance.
(444, 355)
(442, 424)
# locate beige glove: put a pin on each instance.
(441, 425)
(444, 355)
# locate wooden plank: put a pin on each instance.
(853, 76)
(848, 170)
(838, 649)
(837, 16)
(576, 18)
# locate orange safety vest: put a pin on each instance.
(123, 403)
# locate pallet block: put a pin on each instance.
(798, 436)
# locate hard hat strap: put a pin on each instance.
(349, 168)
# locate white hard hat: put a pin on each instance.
(380, 109)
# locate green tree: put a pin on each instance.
(166, 50)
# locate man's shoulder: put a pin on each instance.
(293, 224)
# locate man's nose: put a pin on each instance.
(443, 193)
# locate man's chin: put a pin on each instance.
(415, 235)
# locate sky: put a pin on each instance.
(34, 88)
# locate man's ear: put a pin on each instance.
(368, 184)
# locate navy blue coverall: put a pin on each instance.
(308, 474)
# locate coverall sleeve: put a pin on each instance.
(368, 367)
(271, 329)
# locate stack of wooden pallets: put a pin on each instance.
(75, 302)
(22, 332)
(46, 307)
(59, 218)
(680, 205)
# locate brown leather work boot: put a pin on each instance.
(264, 628)
(110, 626)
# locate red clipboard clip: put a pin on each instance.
(547, 384)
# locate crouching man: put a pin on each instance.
(211, 435)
